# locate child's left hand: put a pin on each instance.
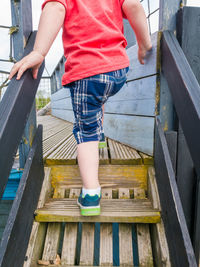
(32, 60)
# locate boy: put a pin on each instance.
(95, 69)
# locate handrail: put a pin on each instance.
(14, 242)
(185, 91)
(14, 111)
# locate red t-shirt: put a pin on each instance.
(93, 38)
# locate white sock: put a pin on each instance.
(91, 192)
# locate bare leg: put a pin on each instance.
(88, 161)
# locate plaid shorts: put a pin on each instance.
(87, 96)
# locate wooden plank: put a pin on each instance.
(125, 245)
(70, 237)
(114, 176)
(103, 155)
(69, 244)
(18, 228)
(53, 233)
(143, 238)
(159, 242)
(135, 131)
(144, 245)
(149, 68)
(106, 243)
(113, 210)
(167, 21)
(38, 231)
(180, 247)
(125, 236)
(87, 244)
(122, 154)
(153, 194)
(146, 159)
(185, 91)
(124, 193)
(13, 117)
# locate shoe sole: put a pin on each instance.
(102, 144)
(89, 211)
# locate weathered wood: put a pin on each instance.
(103, 155)
(180, 247)
(124, 193)
(125, 236)
(87, 244)
(122, 154)
(106, 243)
(159, 242)
(70, 237)
(153, 194)
(53, 233)
(12, 120)
(114, 176)
(128, 210)
(135, 131)
(167, 21)
(18, 228)
(144, 245)
(125, 245)
(146, 159)
(185, 91)
(143, 237)
(136, 70)
(38, 231)
(22, 17)
(69, 244)
(171, 138)
(189, 34)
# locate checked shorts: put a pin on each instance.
(87, 96)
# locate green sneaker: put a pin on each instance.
(102, 142)
(89, 205)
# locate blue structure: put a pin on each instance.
(12, 185)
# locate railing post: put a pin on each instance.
(188, 183)
(167, 21)
(22, 16)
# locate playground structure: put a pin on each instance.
(149, 172)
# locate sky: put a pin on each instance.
(56, 50)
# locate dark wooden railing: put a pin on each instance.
(185, 93)
(15, 108)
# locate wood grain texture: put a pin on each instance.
(87, 244)
(143, 238)
(121, 154)
(125, 245)
(113, 210)
(114, 176)
(135, 131)
(69, 244)
(13, 118)
(53, 234)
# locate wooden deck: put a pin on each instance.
(59, 146)
(129, 231)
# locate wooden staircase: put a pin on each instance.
(128, 232)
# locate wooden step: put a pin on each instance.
(112, 210)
